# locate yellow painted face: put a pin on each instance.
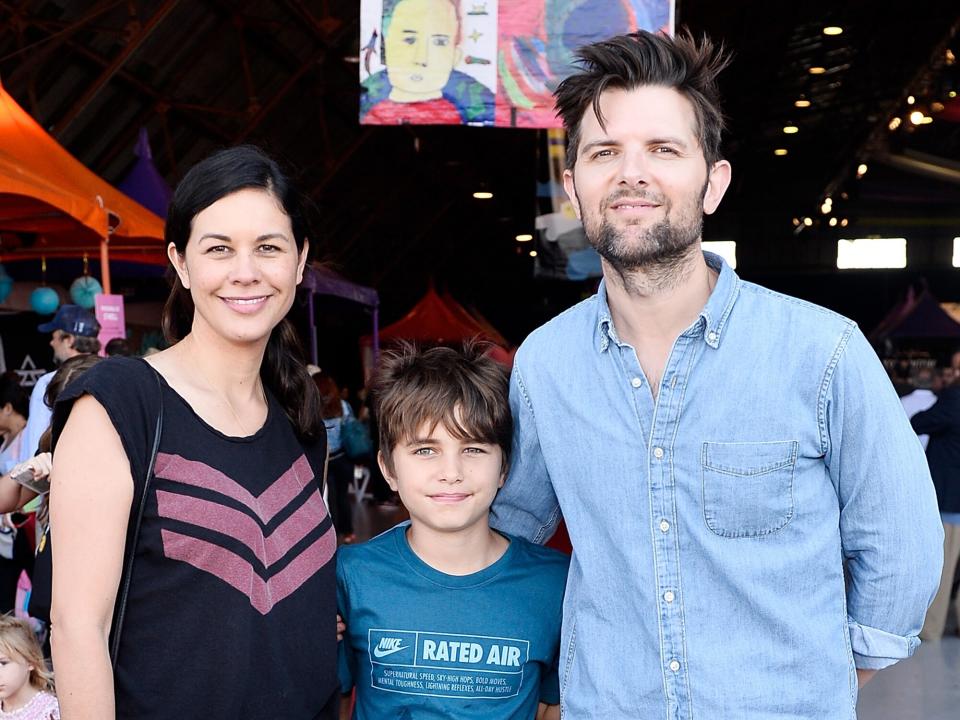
(421, 49)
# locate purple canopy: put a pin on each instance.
(144, 183)
(320, 280)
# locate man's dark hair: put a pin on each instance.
(85, 345)
(627, 62)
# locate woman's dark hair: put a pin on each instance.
(627, 62)
(331, 406)
(221, 174)
(69, 370)
(12, 392)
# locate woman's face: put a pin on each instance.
(241, 266)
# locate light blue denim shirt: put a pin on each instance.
(712, 528)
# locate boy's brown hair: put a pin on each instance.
(414, 386)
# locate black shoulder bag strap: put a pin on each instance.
(131, 549)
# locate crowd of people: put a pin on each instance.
(754, 525)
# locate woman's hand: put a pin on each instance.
(41, 465)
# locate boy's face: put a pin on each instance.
(445, 483)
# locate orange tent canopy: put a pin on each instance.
(47, 191)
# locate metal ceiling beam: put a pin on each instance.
(113, 68)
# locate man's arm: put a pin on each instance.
(940, 417)
(526, 505)
(38, 421)
(891, 534)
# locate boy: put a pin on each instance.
(447, 618)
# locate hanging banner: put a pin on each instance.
(109, 312)
(482, 62)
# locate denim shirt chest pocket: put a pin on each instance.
(748, 486)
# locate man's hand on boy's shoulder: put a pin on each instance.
(548, 712)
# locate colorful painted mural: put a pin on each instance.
(482, 62)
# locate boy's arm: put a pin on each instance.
(548, 712)
(345, 659)
(526, 505)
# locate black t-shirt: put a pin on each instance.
(232, 605)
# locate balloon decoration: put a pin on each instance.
(6, 285)
(44, 300)
(85, 288)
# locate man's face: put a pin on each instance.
(421, 49)
(641, 184)
(62, 344)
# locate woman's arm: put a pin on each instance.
(90, 497)
(13, 495)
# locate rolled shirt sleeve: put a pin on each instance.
(890, 528)
(526, 505)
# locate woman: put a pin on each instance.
(231, 609)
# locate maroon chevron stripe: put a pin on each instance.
(236, 524)
(240, 574)
(266, 505)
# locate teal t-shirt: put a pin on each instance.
(423, 644)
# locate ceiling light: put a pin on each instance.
(483, 195)
(952, 94)
(826, 208)
(936, 107)
(816, 70)
(926, 120)
(844, 222)
(916, 117)
(796, 221)
(833, 222)
(801, 103)
(911, 99)
(833, 30)
(533, 253)
(780, 152)
(950, 57)
(808, 221)
(861, 170)
(524, 237)
(894, 123)
(790, 129)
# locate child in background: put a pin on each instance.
(447, 618)
(26, 686)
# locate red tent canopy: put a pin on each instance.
(443, 320)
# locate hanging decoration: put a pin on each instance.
(6, 285)
(85, 288)
(44, 300)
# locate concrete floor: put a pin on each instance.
(925, 687)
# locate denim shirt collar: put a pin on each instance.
(709, 323)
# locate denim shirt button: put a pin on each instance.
(658, 452)
(636, 382)
(712, 336)
(664, 526)
(674, 665)
(668, 596)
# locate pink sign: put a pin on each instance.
(109, 312)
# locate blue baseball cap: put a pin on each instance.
(73, 320)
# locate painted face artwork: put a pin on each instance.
(421, 49)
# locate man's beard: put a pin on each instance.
(660, 247)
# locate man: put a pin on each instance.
(421, 40)
(942, 423)
(722, 454)
(74, 332)
(923, 389)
